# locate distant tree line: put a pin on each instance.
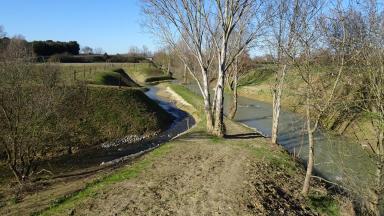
(92, 58)
(49, 47)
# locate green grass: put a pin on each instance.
(258, 75)
(197, 102)
(103, 73)
(142, 72)
(324, 204)
(92, 115)
(116, 113)
(61, 205)
(189, 96)
(158, 79)
(108, 78)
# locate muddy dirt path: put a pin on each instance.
(201, 176)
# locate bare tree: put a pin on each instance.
(27, 106)
(238, 69)
(87, 50)
(145, 51)
(98, 51)
(319, 90)
(368, 57)
(183, 20)
(248, 16)
(134, 51)
(284, 37)
(206, 30)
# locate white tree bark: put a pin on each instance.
(276, 104)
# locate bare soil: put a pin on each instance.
(201, 176)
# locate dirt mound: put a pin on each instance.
(197, 178)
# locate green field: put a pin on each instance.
(103, 73)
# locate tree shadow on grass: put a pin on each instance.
(252, 135)
(113, 80)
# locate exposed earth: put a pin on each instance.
(200, 175)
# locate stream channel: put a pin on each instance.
(337, 159)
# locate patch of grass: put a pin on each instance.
(143, 72)
(109, 78)
(115, 113)
(197, 102)
(94, 115)
(158, 79)
(324, 204)
(215, 139)
(278, 158)
(62, 205)
(94, 72)
(189, 96)
(258, 75)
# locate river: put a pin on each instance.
(337, 158)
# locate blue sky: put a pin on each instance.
(112, 25)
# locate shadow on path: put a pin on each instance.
(244, 136)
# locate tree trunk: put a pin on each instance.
(277, 92)
(169, 68)
(233, 110)
(219, 105)
(185, 80)
(219, 127)
(207, 103)
(17, 175)
(311, 153)
(378, 207)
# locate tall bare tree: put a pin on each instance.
(245, 15)
(206, 27)
(239, 68)
(319, 91)
(368, 48)
(284, 33)
(185, 20)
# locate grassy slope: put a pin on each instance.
(120, 112)
(97, 73)
(257, 85)
(146, 73)
(260, 152)
(110, 113)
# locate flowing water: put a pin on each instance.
(337, 159)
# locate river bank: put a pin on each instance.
(69, 173)
(197, 174)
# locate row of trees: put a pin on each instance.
(214, 34)
(89, 51)
(351, 35)
(43, 48)
(49, 47)
(135, 51)
(211, 39)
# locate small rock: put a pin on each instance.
(71, 212)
